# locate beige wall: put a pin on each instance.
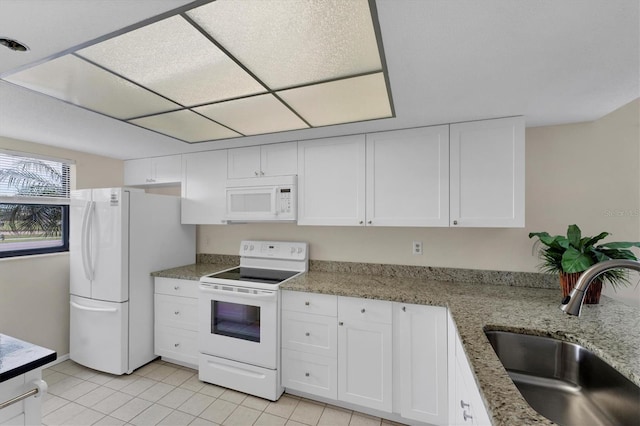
(586, 173)
(34, 290)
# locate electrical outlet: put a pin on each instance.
(417, 247)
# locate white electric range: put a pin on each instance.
(239, 317)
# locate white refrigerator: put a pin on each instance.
(117, 237)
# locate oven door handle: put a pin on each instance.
(269, 295)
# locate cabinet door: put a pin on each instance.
(364, 360)
(279, 159)
(243, 162)
(203, 187)
(137, 172)
(421, 359)
(408, 177)
(166, 169)
(487, 173)
(331, 181)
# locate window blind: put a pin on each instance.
(31, 179)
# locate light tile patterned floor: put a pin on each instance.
(161, 393)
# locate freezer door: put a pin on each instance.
(109, 253)
(80, 209)
(99, 335)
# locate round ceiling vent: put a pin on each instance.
(13, 44)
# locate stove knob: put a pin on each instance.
(293, 250)
(299, 249)
(251, 247)
(246, 246)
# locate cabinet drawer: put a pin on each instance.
(175, 287)
(314, 374)
(178, 344)
(178, 312)
(368, 310)
(311, 303)
(309, 333)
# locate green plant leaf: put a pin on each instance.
(590, 241)
(618, 254)
(620, 245)
(573, 235)
(575, 261)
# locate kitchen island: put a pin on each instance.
(611, 329)
(21, 372)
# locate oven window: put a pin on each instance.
(235, 320)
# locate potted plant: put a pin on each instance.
(572, 254)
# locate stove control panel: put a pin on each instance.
(274, 250)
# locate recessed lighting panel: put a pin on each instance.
(174, 59)
(78, 82)
(342, 101)
(289, 43)
(185, 125)
(253, 116)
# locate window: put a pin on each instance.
(34, 204)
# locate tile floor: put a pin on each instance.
(161, 393)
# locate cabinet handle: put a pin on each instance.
(256, 173)
(176, 287)
(362, 311)
(306, 374)
(463, 404)
(340, 323)
(369, 222)
(455, 222)
(307, 334)
(175, 345)
(361, 222)
(306, 303)
(404, 309)
(261, 173)
(466, 416)
(176, 313)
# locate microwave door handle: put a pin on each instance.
(274, 202)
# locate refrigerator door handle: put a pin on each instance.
(86, 308)
(86, 238)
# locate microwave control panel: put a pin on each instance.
(284, 200)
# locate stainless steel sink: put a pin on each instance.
(565, 382)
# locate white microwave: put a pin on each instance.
(262, 199)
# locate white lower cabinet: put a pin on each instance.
(420, 357)
(176, 320)
(365, 352)
(465, 403)
(25, 412)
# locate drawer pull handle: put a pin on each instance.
(176, 287)
(466, 416)
(340, 323)
(306, 334)
(362, 311)
(176, 313)
(306, 374)
(404, 309)
(463, 404)
(306, 303)
(175, 345)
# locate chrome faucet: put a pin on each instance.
(572, 304)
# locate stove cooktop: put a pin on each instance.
(254, 275)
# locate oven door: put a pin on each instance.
(239, 324)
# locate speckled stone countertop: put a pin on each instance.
(18, 357)
(611, 329)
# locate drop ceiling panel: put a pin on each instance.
(185, 125)
(78, 82)
(288, 43)
(174, 59)
(341, 101)
(254, 115)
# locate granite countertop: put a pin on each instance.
(611, 329)
(18, 357)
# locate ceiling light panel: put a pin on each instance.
(342, 101)
(289, 43)
(78, 82)
(174, 59)
(185, 125)
(253, 116)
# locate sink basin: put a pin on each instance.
(565, 382)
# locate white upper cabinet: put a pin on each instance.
(487, 173)
(203, 187)
(153, 171)
(266, 160)
(408, 177)
(331, 181)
